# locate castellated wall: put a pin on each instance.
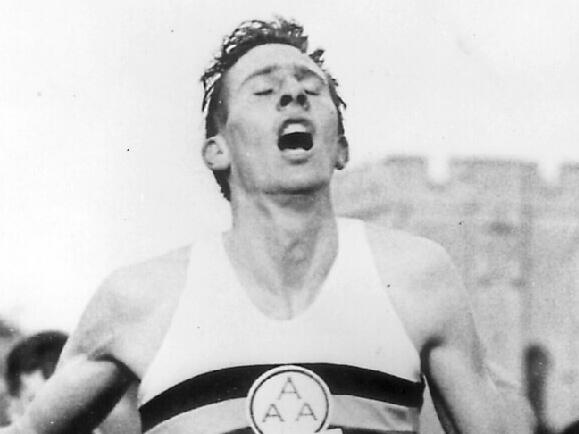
(514, 237)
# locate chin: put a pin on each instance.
(304, 186)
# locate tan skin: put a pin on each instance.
(283, 215)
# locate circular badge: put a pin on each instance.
(289, 399)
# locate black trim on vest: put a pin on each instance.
(231, 383)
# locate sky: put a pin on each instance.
(101, 128)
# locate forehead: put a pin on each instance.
(274, 56)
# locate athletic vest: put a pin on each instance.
(345, 363)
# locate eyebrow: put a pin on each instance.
(300, 71)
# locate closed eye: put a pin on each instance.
(264, 92)
(311, 92)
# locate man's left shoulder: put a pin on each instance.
(421, 279)
(393, 248)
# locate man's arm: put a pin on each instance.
(433, 305)
(117, 337)
(124, 418)
(88, 380)
(76, 398)
(453, 359)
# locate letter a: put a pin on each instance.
(289, 388)
(306, 411)
(272, 411)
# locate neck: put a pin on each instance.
(283, 245)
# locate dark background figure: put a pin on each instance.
(536, 371)
(31, 362)
(573, 428)
(9, 335)
(28, 365)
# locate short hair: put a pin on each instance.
(250, 34)
(39, 352)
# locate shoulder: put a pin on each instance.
(135, 290)
(130, 308)
(423, 282)
(407, 252)
(139, 287)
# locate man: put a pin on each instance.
(292, 321)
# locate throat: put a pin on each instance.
(282, 271)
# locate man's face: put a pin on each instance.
(281, 129)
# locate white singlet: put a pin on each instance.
(346, 362)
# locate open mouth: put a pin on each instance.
(295, 140)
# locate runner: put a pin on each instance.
(292, 320)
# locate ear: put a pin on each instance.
(215, 153)
(343, 153)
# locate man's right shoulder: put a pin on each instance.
(143, 285)
(131, 308)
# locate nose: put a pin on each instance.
(293, 94)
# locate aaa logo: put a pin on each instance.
(289, 399)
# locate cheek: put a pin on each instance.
(243, 124)
(329, 116)
(249, 133)
(242, 142)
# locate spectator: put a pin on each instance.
(28, 365)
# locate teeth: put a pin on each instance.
(294, 128)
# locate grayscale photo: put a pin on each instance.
(289, 217)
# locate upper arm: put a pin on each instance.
(124, 418)
(77, 397)
(115, 340)
(89, 379)
(433, 305)
(453, 357)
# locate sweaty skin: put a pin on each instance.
(282, 244)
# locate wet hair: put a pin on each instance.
(39, 352)
(250, 34)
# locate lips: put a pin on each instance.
(295, 135)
